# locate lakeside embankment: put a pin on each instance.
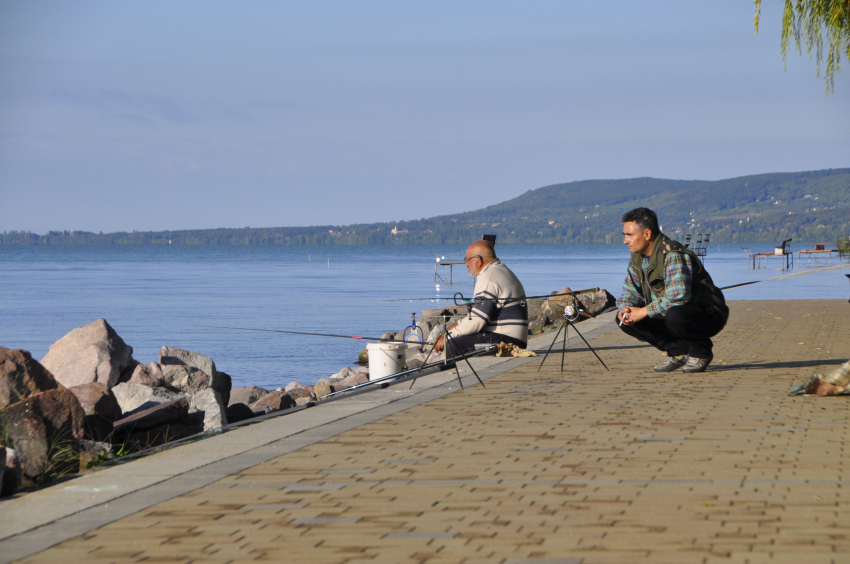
(89, 399)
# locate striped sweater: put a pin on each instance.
(499, 305)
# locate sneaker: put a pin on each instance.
(672, 363)
(698, 364)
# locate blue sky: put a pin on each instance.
(121, 116)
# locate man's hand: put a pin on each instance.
(440, 343)
(631, 315)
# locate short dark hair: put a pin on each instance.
(644, 217)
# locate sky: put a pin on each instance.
(122, 116)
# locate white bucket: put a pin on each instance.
(385, 359)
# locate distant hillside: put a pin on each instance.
(809, 206)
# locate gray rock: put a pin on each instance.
(92, 353)
(390, 335)
(596, 302)
(304, 400)
(274, 400)
(92, 449)
(175, 356)
(353, 380)
(189, 380)
(291, 386)
(13, 473)
(185, 378)
(246, 395)
(262, 410)
(148, 375)
(301, 392)
(538, 322)
(344, 373)
(210, 402)
(136, 397)
(435, 334)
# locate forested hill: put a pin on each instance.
(809, 206)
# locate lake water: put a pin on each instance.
(155, 296)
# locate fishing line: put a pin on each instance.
(812, 271)
(464, 301)
(305, 333)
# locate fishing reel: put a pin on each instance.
(571, 313)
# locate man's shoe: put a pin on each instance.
(698, 364)
(672, 363)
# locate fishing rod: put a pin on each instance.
(791, 275)
(305, 333)
(464, 301)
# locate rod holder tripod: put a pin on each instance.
(571, 314)
(448, 343)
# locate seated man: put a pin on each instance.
(669, 300)
(500, 313)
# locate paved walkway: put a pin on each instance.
(538, 467)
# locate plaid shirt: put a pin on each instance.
(677, 286)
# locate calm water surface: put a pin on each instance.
(155, 296)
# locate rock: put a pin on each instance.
(92, 353)
(12, 473)
(2, 462)
(434, 334)
(22, 377)
(344, 373)
(411, 351)
(353, 380)
(175, 356)
(160, 414)
(100, 406)
(538, 322)
(246, 395)
(45, 429)
(301, 392)
(596, 302)
(390, 335)
(186, 379)
(323, 388)
(304, 400)
(210, 402)
(97, 399)
(136, 397)
(148, 375)
(238, 412)
(223, 386)
(437, 314)
(363, 357)
(262, 410)
(93, 450)
(274, 400)
(292, 386)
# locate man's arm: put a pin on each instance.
(678, 275)
(631, 297)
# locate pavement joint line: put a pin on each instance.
(53, 529)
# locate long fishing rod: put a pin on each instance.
(305, 333)
(791, 275)
(464, 301)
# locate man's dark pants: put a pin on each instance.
(466, 343)
(685, 329)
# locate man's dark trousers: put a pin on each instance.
(685, 329)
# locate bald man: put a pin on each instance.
(500, 313)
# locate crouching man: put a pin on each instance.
(500, 313)
(669, 300)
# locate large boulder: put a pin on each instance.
(45, 429)
(92, 353)
(323, 388)
(189, 379)
(246, 395)
(22, 377)
(160, 414)
(186, 379)
(12, 473)
(100, 406)
(237, 412)
(148, 375)
(300, 392)
(210, 403)
(275, 400)
(137, 397)
(596, 302)
(354, 379)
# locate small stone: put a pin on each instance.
(274, 400)
(246, 395)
